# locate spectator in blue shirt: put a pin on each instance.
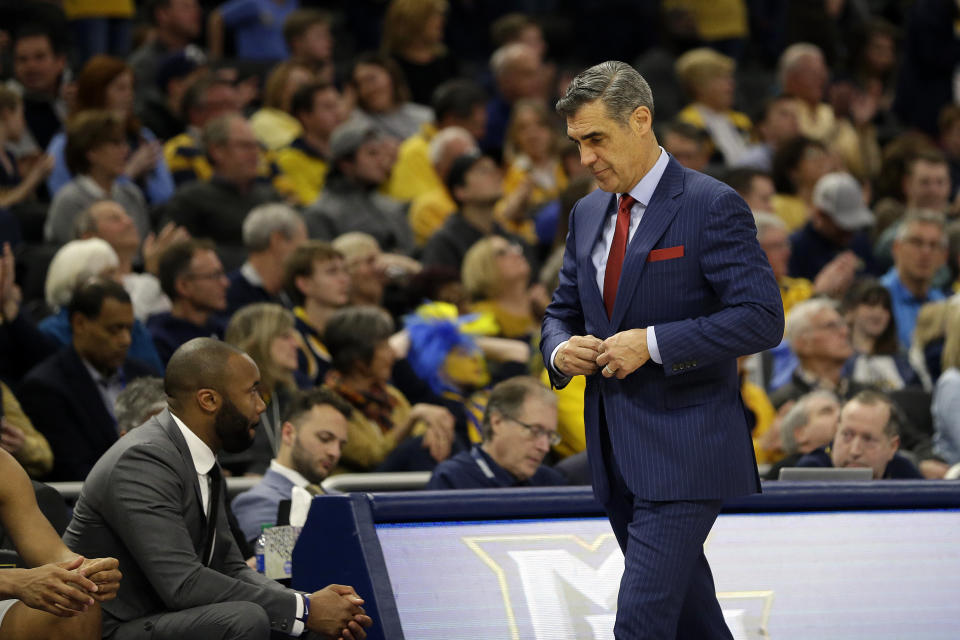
(919, 251)
(519, 427)
(257, 27)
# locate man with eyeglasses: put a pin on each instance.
(919, 251)
(519, 427)
(820, 339)
(191, 275)
(868, 437)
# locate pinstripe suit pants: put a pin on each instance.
(667, 588)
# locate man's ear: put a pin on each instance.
(209, 400)
(288, 433)
(895, 443)
(641, 120)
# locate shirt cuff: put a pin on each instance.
(299, 625)
(561, 377)
(652, 345)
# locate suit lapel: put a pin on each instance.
(173, 431)
(592, 230)
(657, 217)
(102, 422)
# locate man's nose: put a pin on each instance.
(587, 157)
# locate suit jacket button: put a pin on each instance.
(283, 626)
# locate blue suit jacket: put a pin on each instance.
(678, 431)
(259, 505)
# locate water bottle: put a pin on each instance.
(259, 547)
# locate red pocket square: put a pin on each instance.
(665, 254)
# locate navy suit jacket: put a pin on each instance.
(678, 430)
(64, 404)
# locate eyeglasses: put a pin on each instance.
(834, 325)
(536, 432)
(920, 243)
(211, 275)
(509, 249)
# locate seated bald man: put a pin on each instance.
(148, 500)
(59, 596)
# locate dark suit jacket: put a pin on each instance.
(64, 404)
(141, 504)
(679, 430)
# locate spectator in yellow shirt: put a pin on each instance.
(317, 108)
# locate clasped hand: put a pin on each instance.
(619, 355)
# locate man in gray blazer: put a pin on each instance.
(147, 501)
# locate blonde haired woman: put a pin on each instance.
(496, 277)
(273, 124)
(266, 332)
(946, 394)
(535, 173)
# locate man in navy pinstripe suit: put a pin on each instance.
(663, 285)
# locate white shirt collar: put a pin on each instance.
(203, 458)
(288, 473)
(248, 271)
(87, 183)
(642, 192)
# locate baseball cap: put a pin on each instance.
(839, 195)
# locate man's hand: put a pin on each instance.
(837, 275)
(56, 588)
(335, 612)
(578, 356)
(9, 292)
(11, 437)
(155, 244)
(105, 573)
(623, 353)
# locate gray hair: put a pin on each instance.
(794, 54)
(263, 221)
(504, 57)
(140, 400)
(73, 264)
(217, 131)
(507, 398)
(615, 83)
(767, 221)
(443, 139)
(921, 216)
(799, 416)
(801, 316)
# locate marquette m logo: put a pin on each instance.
(557, 586)
(564, 586)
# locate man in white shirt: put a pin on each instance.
(150, 498)
(313, 434)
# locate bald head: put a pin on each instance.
(201, 363)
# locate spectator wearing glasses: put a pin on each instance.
(821, 341)
(919, 251)
(519, 427)
(496, 276)
(193, 278)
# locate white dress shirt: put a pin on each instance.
(203, 461)
(293, 476)
(642, 193)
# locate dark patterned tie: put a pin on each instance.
(618, 249)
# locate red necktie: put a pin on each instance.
(618, 249)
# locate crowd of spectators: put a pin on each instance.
(311, 181)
